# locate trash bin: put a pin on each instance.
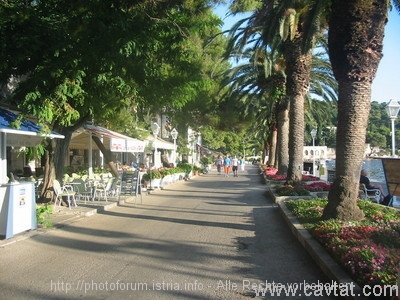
(18, 208)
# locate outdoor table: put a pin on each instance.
(73, 185)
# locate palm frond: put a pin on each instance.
(396, 4)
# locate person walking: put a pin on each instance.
(227, 165)
(241, 163)
(219, 162)
(235, 166)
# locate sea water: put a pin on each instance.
(374, 168)
(376, 175)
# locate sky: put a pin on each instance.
(386, 84)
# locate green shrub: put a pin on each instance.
(152, 174)
(187, 168)
(206, 160)
(43, 213)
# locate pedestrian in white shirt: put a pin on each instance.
(235, 165)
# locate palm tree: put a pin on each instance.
(355, 50)
(297, 67)
(356, 31)
(258, 89)
(291, 28)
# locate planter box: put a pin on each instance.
(155, 183)
(312, 195)
(275, 182)
(175, 177)
(284, 198)
(168, 179)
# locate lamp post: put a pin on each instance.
(313, 135)
(155, 128)
(174, 134)
(392, 109)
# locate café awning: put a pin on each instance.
(114, 141)
(28, 134)
(161, 144)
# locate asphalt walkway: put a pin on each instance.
(212, 237)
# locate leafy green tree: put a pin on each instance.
(321, 115)
(379, 128)
(377, 139)
(79, 61)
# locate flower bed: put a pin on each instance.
(318, 186)
(270, 173)
(307, 185)
(302, 189)
(283, 177)
(368, 250)
(292, 190)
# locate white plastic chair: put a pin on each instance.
(82, 190)
(102, 190)
(63, 191)
(370, 194)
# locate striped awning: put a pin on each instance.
(28, 134)
(115, 141)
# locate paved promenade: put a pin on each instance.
(207, 238)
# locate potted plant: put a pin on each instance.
(187, 168)
(153, 178)
(197, 170)
(166, 174)
(152, 174)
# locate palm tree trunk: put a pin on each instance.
(282, 116)
(272, 152)
(297, 85)
(356, 30)
(283, 141)
(353, 114)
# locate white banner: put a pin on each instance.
(121, 145)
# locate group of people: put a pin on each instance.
(228, 164)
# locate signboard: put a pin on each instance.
(391, 167)
(122, 145)
(331, 176)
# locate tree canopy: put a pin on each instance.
(74, 59)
